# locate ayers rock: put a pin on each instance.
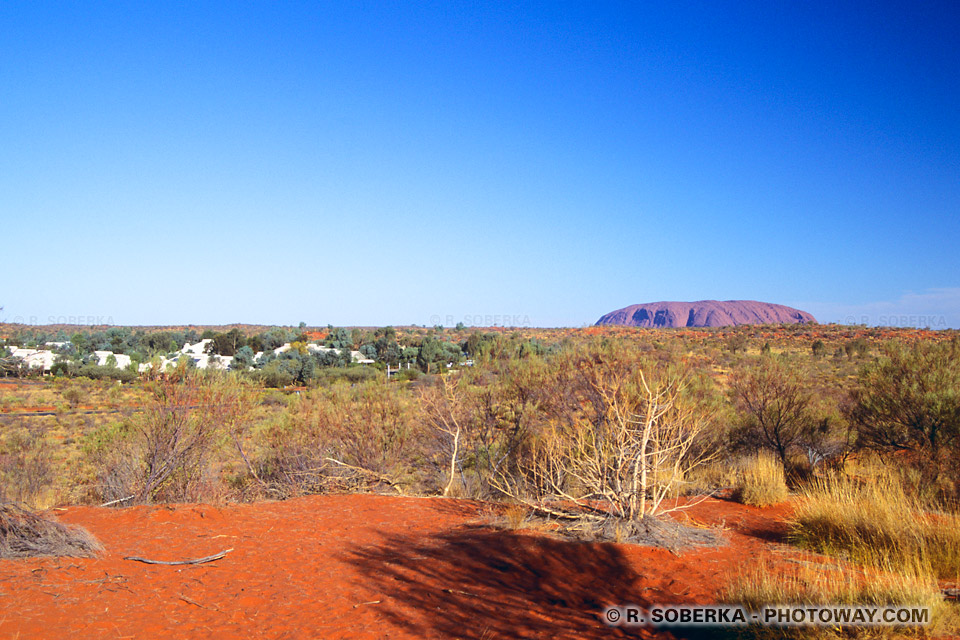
(705, 313)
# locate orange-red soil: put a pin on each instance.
(358, 566)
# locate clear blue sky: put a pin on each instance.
(541, 163)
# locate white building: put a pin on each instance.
(123, 360)
(35, 358)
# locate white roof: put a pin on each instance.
(123, 360)
(196, 349)
(36, 358)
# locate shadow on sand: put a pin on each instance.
(478, 583)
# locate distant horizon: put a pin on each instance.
(536, 164)
(885, 320)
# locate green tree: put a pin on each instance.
(909, 401)
(227, 344)
(774, 407)
(339, 338)
(242, 359)
(819, 349)
(430, 351)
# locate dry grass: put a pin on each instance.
(515, 516)
(24, 534)
(818, 582)
(710, 477)
(900, 549)
(814, 582)
(762, 482)
(874, 521)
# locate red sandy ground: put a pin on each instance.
(358, 566)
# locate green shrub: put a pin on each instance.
(407, 375)
(353, 375)
(96, 372)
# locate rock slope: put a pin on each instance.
(705, 313)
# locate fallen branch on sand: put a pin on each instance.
(360, 604)
(117, 501)
(215, 556)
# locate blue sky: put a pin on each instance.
(509, 163)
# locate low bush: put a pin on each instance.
(407, 374)
(169, 451)
(96, 372)
(353, 375)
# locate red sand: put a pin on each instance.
(357, 566)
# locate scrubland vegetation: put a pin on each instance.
(596, 428)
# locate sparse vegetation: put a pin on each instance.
(594, 434)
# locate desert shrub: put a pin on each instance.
(26, 467)
(96, 372)
(761, 481)
(627, 434)
(167, 452)
(515, 516)
(874, 519)
(407, 375)
(276, 375)
(273, 399)
(711, 477)
(74, 395)
(479, 419)
(773, 403)
(353, 375)
(339, 437)
(907, 404)
(24, 534)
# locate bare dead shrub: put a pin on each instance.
(630, 438)
(480, 417)
(24, 534)
(444, 407)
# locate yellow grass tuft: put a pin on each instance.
(815, 582)
(874, 521)
(762, 482)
